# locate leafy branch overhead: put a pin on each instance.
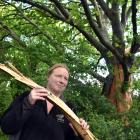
(96, 14)
(59, 26)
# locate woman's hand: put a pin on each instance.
(84, 124)
(37, 94)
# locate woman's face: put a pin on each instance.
(58, 80)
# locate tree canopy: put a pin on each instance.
(92, 37)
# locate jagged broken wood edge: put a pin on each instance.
(70, 115)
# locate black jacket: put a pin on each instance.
(25, 122)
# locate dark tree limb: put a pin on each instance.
(20, 13)
(97, 76)
(123, 14)
(4, 36)
(50, 38)
(128, 12)
(12, 34)
(98, 14)
(88, 36)
(105, 8)
(107, 84)
(61, 8)
(118, 36)
(134, 15)
(99, 46)
(135, 43)
(44, 8)
(94, 26)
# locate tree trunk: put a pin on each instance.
(122, 100)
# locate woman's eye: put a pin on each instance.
(58, 76)
(66, 78)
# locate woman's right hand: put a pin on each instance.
(37, 94)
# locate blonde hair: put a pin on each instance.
(56, 66)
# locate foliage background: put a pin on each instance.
(43, 42)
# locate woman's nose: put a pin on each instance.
(62, 80)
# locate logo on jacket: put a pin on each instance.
(60, 118)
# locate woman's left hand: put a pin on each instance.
(84, 124)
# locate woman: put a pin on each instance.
(32, 117)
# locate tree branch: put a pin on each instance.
(123, 14)
(44, 8)
(134, 19)
(89, 37)
(13, 34)
(29, 20)
(3, 37)
(5, 45)
(128, 12)
(93, 41)
(135, 43)
(97, 76)
(105, 8)
(98, 14)
(99, 46)
(118, 36)
(61, 8)
(102, 38)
